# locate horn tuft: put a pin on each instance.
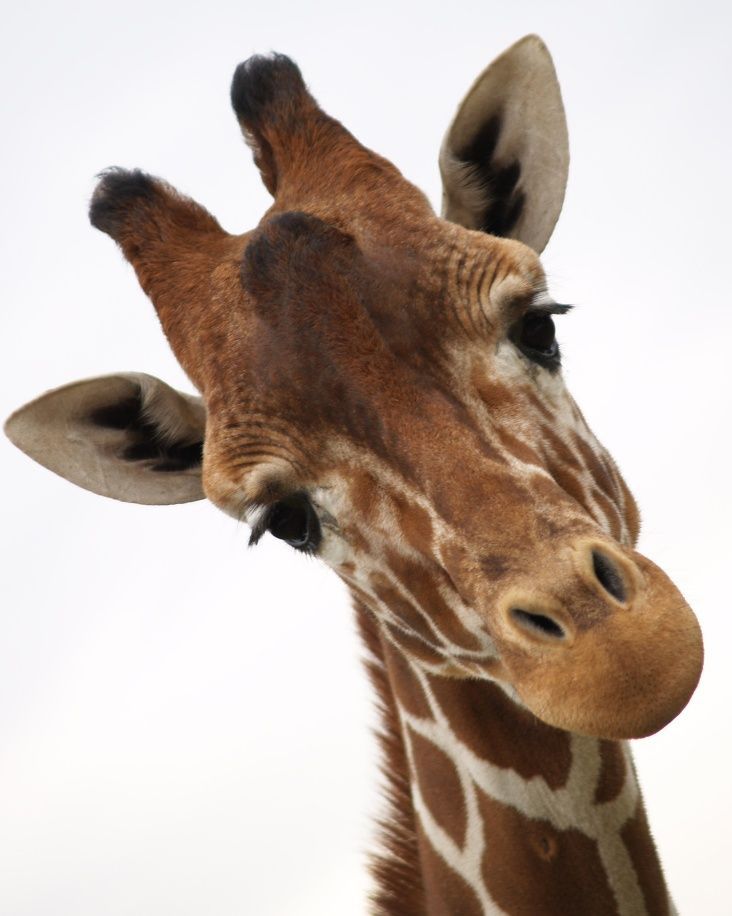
(265, 85)
(116, 190)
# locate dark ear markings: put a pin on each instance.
(117, 189)
(507, 201)
(498, 183)
(181, 457)
(143, 439)
(119, 415)
(483, 145)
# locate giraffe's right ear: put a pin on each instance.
(130, 437)
(505, 158)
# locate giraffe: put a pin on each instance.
(381, 387)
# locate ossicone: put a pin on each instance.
(265, 85)
(117, 190)
(272, 103)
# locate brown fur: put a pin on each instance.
(396, 869)
(311, 338)
(612, 774)
(354, 344)
(637, 838)
(489, 723)
(567, 874)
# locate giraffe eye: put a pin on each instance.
(535, 337)
(292, 520)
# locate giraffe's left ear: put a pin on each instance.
(505, 158)
(130, 437)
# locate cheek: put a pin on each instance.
(342, 543)
(335, 552)
(509, 366)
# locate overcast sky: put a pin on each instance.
(184, 724)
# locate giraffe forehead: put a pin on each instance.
(301, 270)
(353, 344)
(340, 326)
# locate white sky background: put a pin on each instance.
(184, 725)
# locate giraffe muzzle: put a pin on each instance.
(612, 650)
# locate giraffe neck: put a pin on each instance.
(494, 812)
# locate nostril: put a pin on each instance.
(537, 624)
(607, 574)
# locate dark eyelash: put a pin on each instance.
(291, 519)
(261, 525)
(551, 359)
(553, 308)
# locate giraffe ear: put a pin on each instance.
(505, 158)
(130, 437)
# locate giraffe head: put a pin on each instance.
(382, 388)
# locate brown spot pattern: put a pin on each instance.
(602, 474)
(632, 515)
(501, 732)
(612, 772)
(396, 867)
(570, 483)
(404, 610)
(413, 524)
(447, 892)
(421, 583)
(637, 837)
(405, 684)
(519, 449)
(440, 787)
(412, 646)
(559, 447)
(610, 511)
(539, 405)
(496, 396)
(530, 868)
